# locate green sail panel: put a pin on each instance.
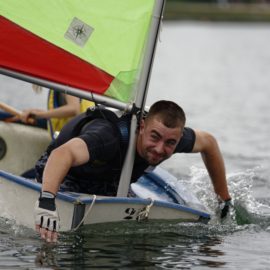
(108, 34)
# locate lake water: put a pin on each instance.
(220, 75)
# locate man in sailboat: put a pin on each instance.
(91, 148)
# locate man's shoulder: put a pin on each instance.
(187, 141)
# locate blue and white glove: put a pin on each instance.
(224, 207)
(46, 214)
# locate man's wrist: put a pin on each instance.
(47, 201)
(220, 200)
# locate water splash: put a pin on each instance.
(11, 228)
(247, 209)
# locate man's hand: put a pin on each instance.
(225, 207)
(28, 116)
(46, 217)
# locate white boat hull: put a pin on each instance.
(18, 196)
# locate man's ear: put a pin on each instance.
(142, 125)
(182, 134)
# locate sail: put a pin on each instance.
(93, 45)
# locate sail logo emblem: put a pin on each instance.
(79, 32)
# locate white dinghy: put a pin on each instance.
(101, 52)
(76, 209)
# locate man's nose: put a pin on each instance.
(160, 147)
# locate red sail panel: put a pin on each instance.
(22, 51)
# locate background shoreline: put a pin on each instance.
(237, 12)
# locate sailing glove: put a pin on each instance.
(46, 214)
(225, 207)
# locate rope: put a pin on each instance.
(143, 215)
(145, 212)
(86, 214)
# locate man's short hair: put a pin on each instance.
(171, 114)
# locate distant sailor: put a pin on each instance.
(61, 108)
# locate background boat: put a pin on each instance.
(21, 146)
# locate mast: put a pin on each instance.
(141, 96)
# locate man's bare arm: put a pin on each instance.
(73, 153)
(207, 145)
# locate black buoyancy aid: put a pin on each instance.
(121, 123)
(99, 184)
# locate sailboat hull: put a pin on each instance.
(18, 196)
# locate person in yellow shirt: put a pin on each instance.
(61, 108)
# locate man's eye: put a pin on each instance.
(171, 143)
(154, 137)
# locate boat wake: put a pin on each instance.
(247, 208)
